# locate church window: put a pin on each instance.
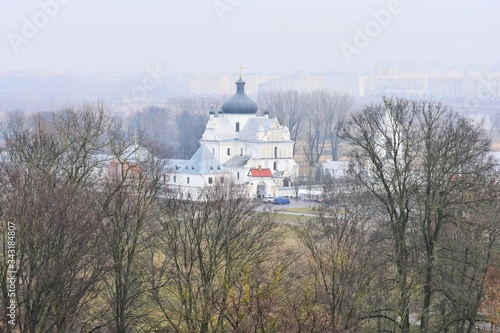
(210, 180)
(241, 151)
(213, 151)
(275, 152)
(175, 178)
(274, 165)
(228, 151)
(187, 180)
(237, 127)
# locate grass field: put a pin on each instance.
(307, 210)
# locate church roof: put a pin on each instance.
(175, 163)
(253, 125)
(259, 172)
(237, 161)
(135, 154)
(278, 174)
(223, 128)
(202, 162)
(240, 103)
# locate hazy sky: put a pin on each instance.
(209, 36)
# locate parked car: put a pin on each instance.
(268, 198)
(281, 201)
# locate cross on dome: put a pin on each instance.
(241, 70)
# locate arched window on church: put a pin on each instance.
(274, 166)
(213, 151)
(237, 127)
(275, 152)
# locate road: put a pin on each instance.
(294, 203)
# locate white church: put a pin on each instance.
(241, 147)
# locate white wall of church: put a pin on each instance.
(189, 180)
(240, 119)
(225, 150)
(228, 149)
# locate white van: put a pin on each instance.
(269, 198)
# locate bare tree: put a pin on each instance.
(190, 131)
(59, 261)
(491, 305)
(191, 116)
(327, 112)
(48, 195)
(453, 157)
(32, 143)
(416, 158)
(208, 249)
(317, 102)
(466, 253)
(344, 261)
(335, 115)
(129, 194)
(156, 124)
(385, 145)
(289, 107)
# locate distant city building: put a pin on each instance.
(470, 88)
(223, 85)
(386, 81)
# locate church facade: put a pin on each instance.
(241, 147)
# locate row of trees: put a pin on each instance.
(103, 245)
(175, 128)
(314, 118)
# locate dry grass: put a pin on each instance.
(307, 210)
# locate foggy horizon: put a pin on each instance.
(213, 37)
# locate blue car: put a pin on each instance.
(281, 201)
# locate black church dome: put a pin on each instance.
(240, 103)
